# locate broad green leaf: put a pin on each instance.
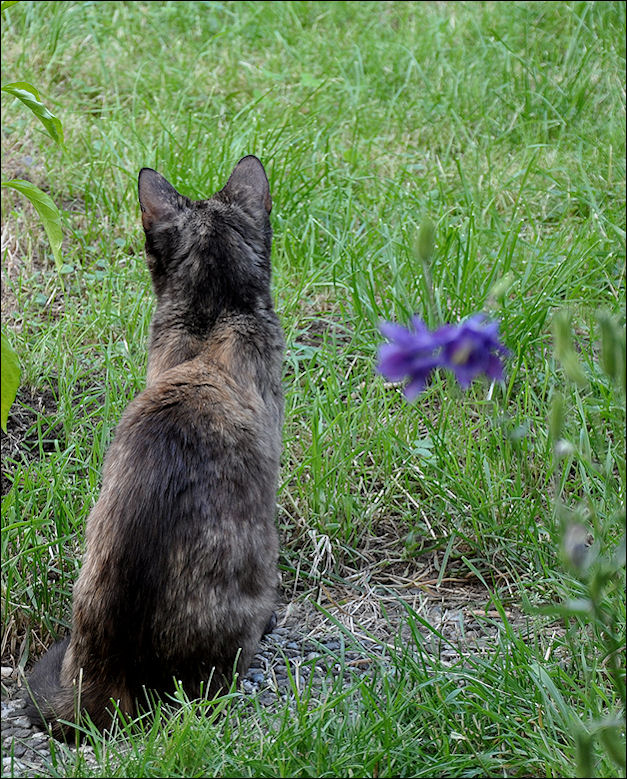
(30, 97)
(48, 212)
(7, 4)
(10, 380)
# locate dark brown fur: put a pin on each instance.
(180, 570)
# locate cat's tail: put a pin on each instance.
(44, 693)
(54, 706)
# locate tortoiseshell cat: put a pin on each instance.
(180, 572)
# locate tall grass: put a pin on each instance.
(504, 124)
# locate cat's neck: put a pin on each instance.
(234, 343)
(169, 349)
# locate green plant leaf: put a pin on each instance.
(7, 4)
(583, 741)
(48, 212)
(30, 97)
(425, 241)
(614, 743)
(612, 348)
(564, 350)
(10, 379)
(556, 423)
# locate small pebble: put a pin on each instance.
(11, 767)
(21, 732)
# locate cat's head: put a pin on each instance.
(209, 255)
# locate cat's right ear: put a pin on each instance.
(250, 174)
(158, 199)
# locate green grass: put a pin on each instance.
(504, 123)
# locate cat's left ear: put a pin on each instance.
(249, 172)
(158, 199)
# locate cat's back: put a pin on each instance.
(186, 515)
(197, 433)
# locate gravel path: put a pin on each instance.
(310, 642)
(26, 750)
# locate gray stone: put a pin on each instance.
(22, 732)
(22, 722)
(248, 686)
(11, 767)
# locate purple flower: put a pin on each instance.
(412, 353)
(468, 349)
(475, 348)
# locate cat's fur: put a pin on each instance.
(180, 571)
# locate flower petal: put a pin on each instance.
(394, 363)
